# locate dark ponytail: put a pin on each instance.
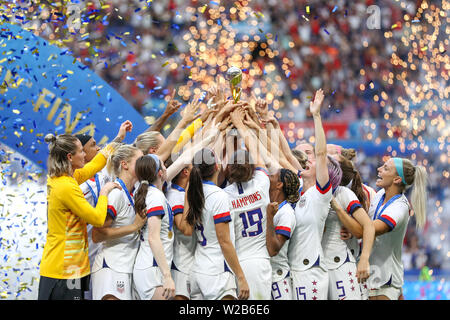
(146, 173)
(349, 173)
(203, 168)
(195, 197)
(291, 184)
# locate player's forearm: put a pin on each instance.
(271, 239)
(231, 257)
(158, 253)
(168, 145)
(321, 151)
(349, 223)
(159, 123)
(368, 239)
(103, 234)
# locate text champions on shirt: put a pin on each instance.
(240, 202)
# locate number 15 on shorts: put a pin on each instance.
(301, 294)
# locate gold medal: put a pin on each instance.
(170, 234)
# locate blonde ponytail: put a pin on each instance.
(419, 196)
(416, 176)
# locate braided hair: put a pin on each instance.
(291, 184)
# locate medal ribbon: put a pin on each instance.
(95, 196)
(124, 187)
(391, 200)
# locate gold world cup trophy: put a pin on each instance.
(234, 76)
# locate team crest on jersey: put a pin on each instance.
(120, 286)
(302, 202)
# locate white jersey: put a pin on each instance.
(91, 191)
(335, 250)
(248, 204)
(183, 246)
(119, 254)
(156, 205)
(311, 211)
(354, 243)
(208, 258)
(284, 223)
(386, 256)
(370, 193)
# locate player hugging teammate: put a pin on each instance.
(223, 209)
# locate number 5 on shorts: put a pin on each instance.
(340, 287)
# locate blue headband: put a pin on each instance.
(155, 157)
(399, 166)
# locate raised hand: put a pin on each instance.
(314, 106)
(237, 116)
(190, 110)
(108, 187)
(125, 127)
(261, 106)
(173, 105)
(272, 209)
(274, 122)
(249, 122)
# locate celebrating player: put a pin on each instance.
(113, 266)
(151, 275)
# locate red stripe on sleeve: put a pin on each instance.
(349, 207)
(283, 228)
(112, 209)
(221, 215)
(389, 219)
(155, 209)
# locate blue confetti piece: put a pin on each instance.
(335, 8)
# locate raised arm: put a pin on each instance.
(273, 124)
(186, 157)
(171, 108)
(188, 116)
(321, 142)
(250, 140)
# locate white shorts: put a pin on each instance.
(343, 283)
(145, 282)
(109, 282)
(182, 284)
(282, 290)
(258, 273)
(311, 284)
(392, 293)
(212, 287)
